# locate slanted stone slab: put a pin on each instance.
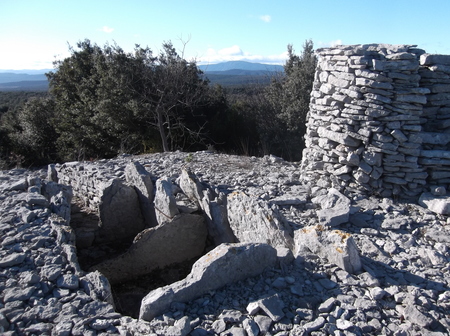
(273, 307)
(137, 176)
(12, 259)
(215, 209)
(335, 208)
(225, 264)
(181, 239)
(437, 204)
(336, 246)
(190, 185)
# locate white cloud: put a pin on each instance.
(266, 18)
(235, 53)
(231, 51)
(107, 29)
(333, 43)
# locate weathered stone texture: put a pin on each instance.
(226, 264)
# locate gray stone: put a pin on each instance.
(51, 272)
(327, 305)
(69, 281)
(37, 200)
(430, 59)
(378, 293)
(176, 241)
(12, 259)
(314, 325)
(252, 221)
(341, 138)
(190, 185)
(225, 264)
(264, 323)
(251, 327)
(139, 177)
(219, 326)
(435, 138)
(413, 315)
(20, 185)
(273, 307)
(215, 209)
(165, 202)
(97, 286)
(437, 204)
(17, 293)
(335, 208)
(231, 316)
(336, 246)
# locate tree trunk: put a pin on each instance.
(162, 131)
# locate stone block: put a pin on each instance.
(341, 138)
(335, 208)
(336, 246)
(253, 221)
(437, 204)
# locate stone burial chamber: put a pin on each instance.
(164, 225)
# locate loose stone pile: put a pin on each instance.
(396, 284)
(369, 108)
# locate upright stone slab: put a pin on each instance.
(137, 176)
(120, 213)
(165, 202)
(253, 221)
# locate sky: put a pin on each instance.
(34, 33)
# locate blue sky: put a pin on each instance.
(34, 32)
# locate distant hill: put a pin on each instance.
(240, 73)
(241, 65)
(230, 73)
(8, 77)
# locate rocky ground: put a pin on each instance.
(402, 289)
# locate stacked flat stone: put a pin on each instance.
(86, 179)
(364, 124)
(435, 75)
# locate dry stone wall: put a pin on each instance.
(378, 120)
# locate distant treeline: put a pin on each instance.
(103, 101)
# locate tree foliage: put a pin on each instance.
(289, 96)
(108, 100)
